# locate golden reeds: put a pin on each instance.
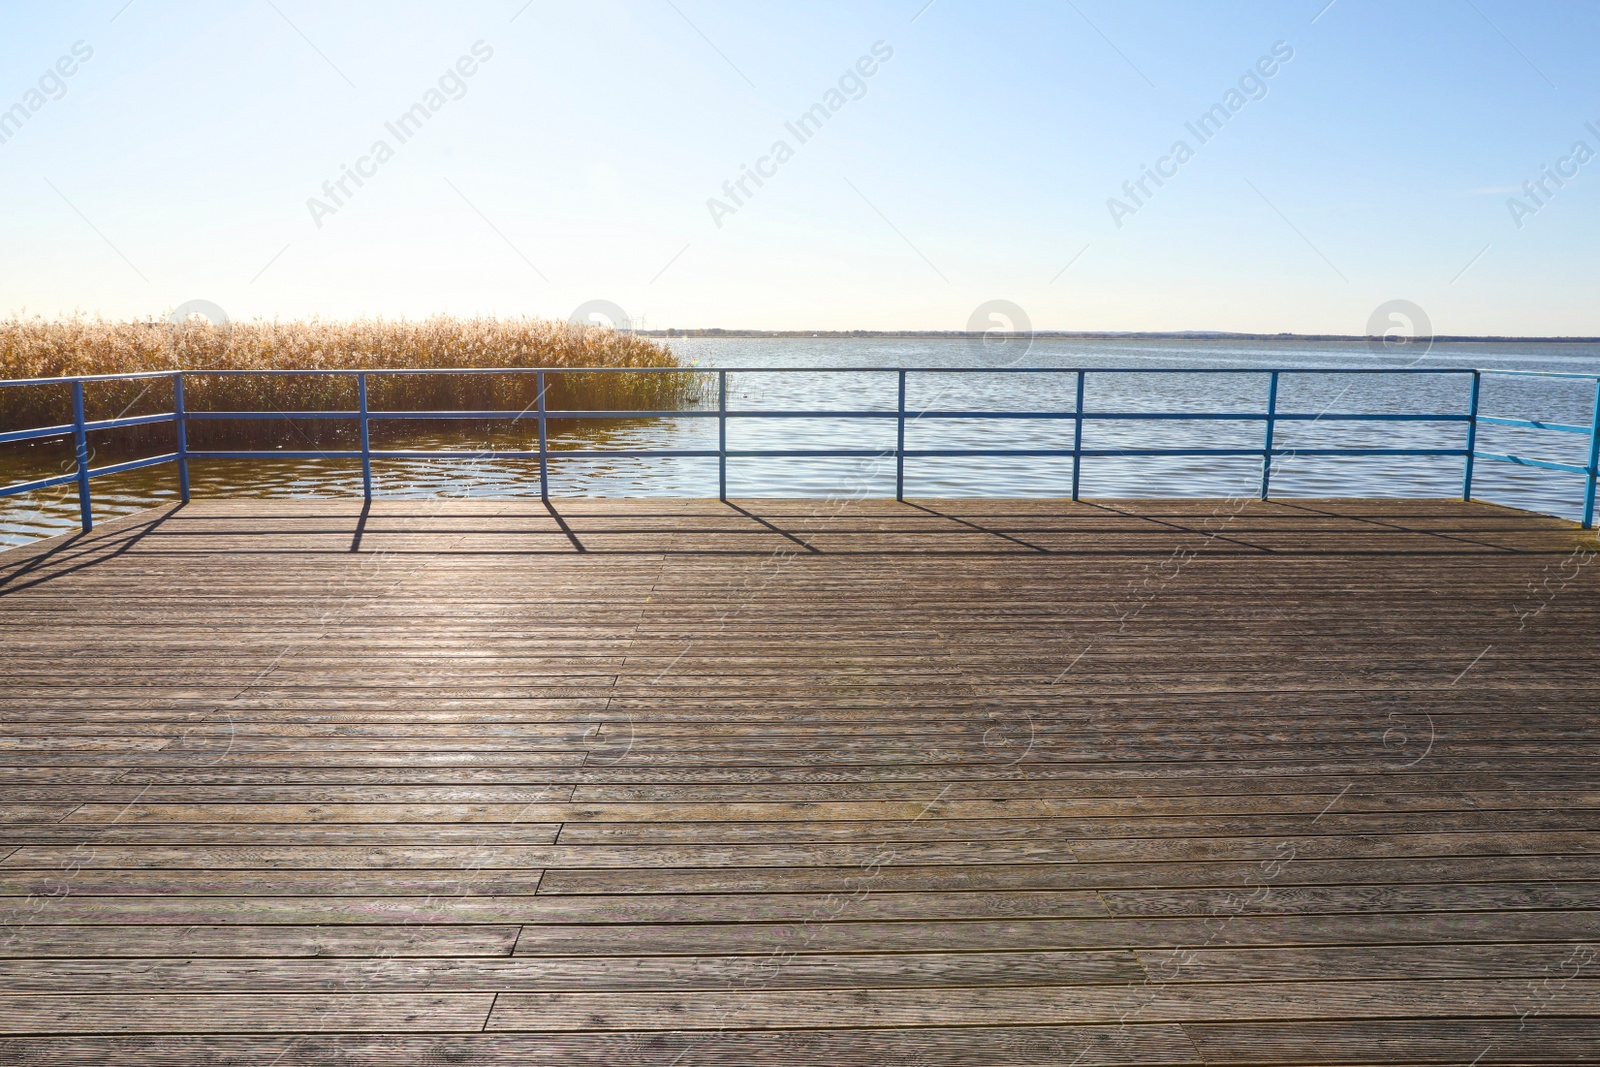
(37, 348)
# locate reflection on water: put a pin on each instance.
(1568, 401)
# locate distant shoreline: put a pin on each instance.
(1101, 335)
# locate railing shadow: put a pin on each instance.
(976, 526)
(89, 543)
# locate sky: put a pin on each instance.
(959, 153)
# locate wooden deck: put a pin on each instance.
(818, 783)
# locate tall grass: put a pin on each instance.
(38, 348)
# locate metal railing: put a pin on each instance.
(363, 415)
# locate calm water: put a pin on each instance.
(52, 512)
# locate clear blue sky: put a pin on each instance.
(177, 161)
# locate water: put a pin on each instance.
(55, 511)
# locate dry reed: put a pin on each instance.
(37, 348)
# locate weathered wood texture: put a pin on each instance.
(970, 782)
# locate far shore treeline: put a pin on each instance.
(40, 348)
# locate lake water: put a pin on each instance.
(1568, 401)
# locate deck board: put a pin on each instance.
(958, 782)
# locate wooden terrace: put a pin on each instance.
(681, 782)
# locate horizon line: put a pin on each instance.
(1173, 335)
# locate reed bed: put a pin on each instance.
(37, 348)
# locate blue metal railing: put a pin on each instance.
(363, 415)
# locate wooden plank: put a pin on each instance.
(531, 973)
(189, 941)
(1079, 1005)
(1533, 962)
(981, 877)
(1533, 1039)
(1038, 1046)
(461, 905)
(82, 838)
(90, 1013)
(816, 934)
(102, 856)
(1487, 896)
(1071, 816)
(387, 882)
(1088, 847)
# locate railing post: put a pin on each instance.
(1077, 437)
(80, 440)
(722, 435)
(366, 439)
(180, 423)
(1594, 461)
(900, 443)
(1272, 415)
(1472, 436)
(544, 448)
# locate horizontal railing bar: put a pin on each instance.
(1523, 461)
(130, 420)
(533, 414)
(884, 452)
(913, 414)
(1369, 451)
(203, 415)
(529, 413)
(799, 452)
(1535, 424)
(94, 472)
(1175, 416)
(131, 465)
(952, 452)
(99, 424)
(29, 435)
(1541, 374)
(447, 453)
(34, 486)
(670, 453)
(279, 453)
(258, 372)
(1354, 417)
(130, 376)
(390, 371)
(1187, 452)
